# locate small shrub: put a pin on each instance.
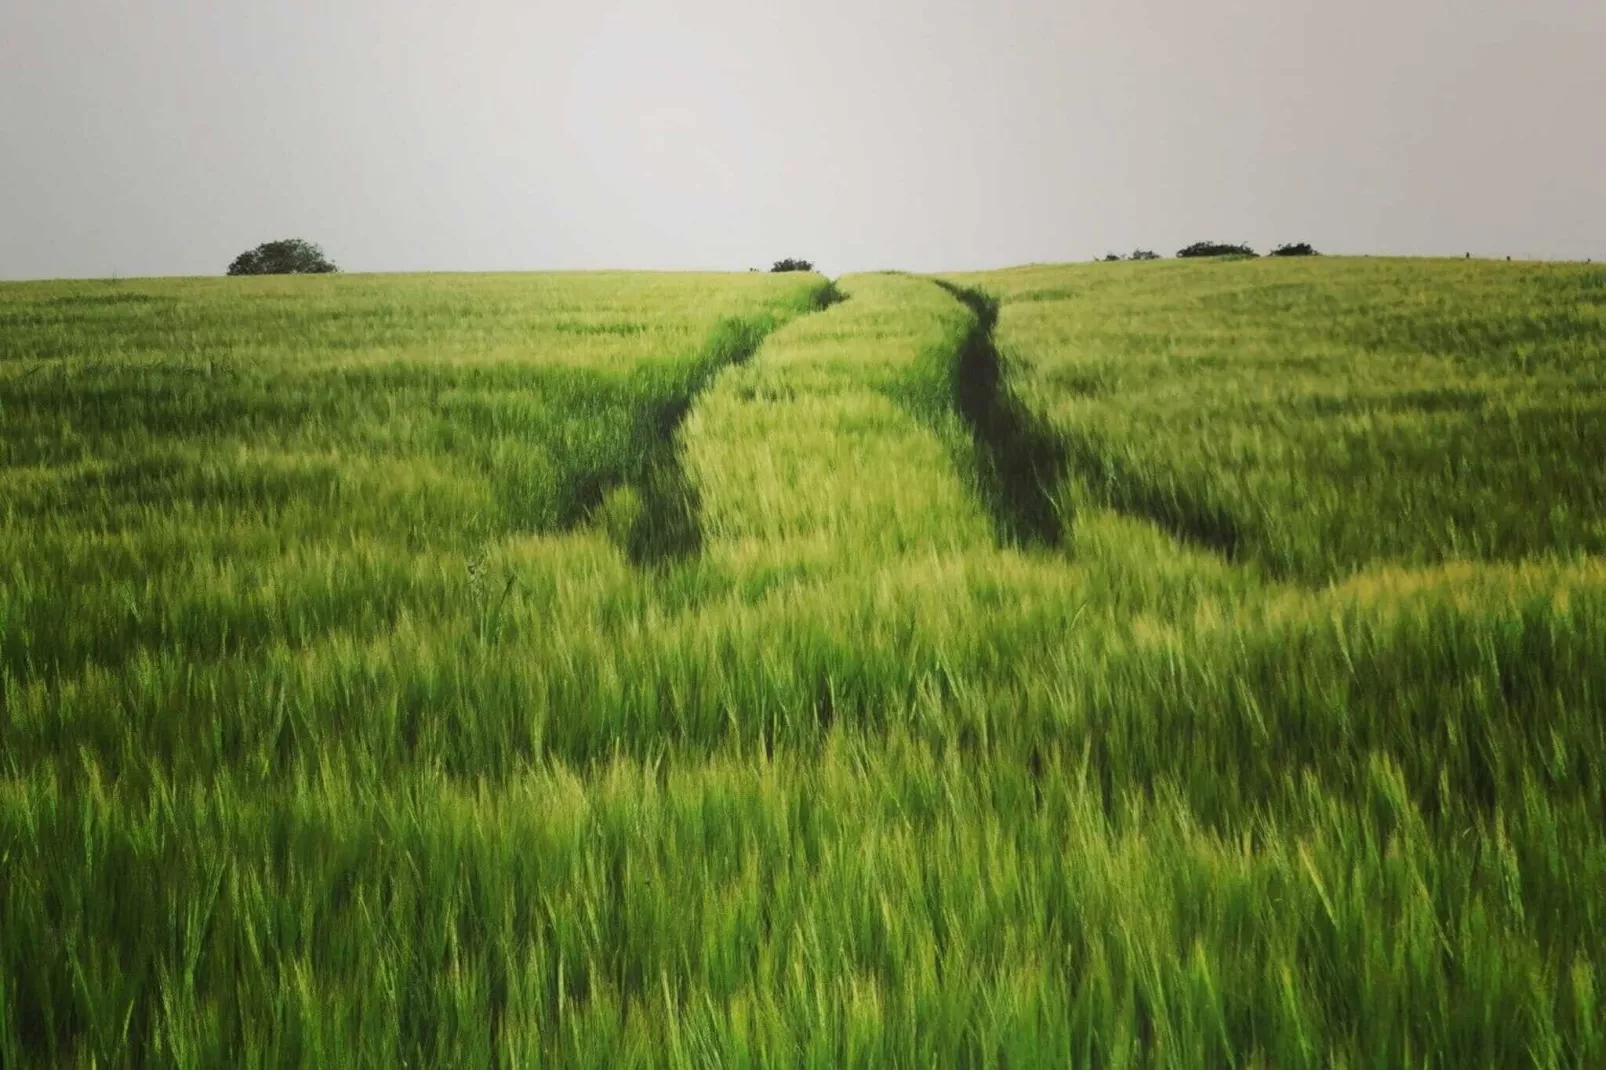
(789, 264)
(1112, 258)
(1297, 249)
(1211, 248)
(1144, 254)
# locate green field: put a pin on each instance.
(1172, 664)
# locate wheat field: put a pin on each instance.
(1152, 664)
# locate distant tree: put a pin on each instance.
(790, 264)
(1296, 249)
(1144, 254)
(1112, 258)
(291, 256)
(1212, 248)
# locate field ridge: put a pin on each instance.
(665, 527)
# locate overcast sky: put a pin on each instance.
(159, 137)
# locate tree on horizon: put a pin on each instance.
(288, 256)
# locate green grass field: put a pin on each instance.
(1174, 664)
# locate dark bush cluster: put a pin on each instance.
(1213, 248)
(291, 256)
(790, 264)
(1136, 254)
(1295, 249)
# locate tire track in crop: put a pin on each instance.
(1019, 459)
(662, 526)
(1179, 510)
(1022, 460)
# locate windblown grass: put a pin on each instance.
(1312, 416)
(407, 761)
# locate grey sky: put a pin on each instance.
(165, 136)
